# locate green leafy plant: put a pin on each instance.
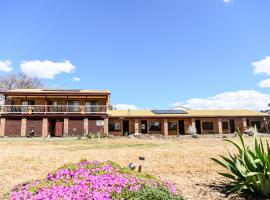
(147, 192)
(249, 168)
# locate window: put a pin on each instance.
(74, 106)
(257, 123)
(225, 125)
(91, 106)
(26, 103)
(154, 126)
(172, 126)
(114, 126)
(207, 126)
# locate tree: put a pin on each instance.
(19, 81)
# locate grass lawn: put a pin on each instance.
(182, 160)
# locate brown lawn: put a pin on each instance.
(182, 160)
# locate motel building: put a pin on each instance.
(60, 113)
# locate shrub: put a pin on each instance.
(251, 131)
(96, 180)
(193, 132)
(249, 168)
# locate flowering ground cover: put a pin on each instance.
(96, 180)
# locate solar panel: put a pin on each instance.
(169, 111)
(60, 90)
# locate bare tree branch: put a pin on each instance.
(19, 81)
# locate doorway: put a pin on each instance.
(144, 126)
(181, 127)
(232, 125)
(126, 127)
(56, 127)
(198, 126)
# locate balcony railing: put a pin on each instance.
(44, 109)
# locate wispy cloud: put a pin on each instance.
(76, 79)
(262, 66)
(5, 66)
(46, 69)
(243, 99)
(265, 83)
(125, 107)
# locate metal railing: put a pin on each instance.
(31, 109)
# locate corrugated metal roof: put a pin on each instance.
(190, 113)
(55, 91)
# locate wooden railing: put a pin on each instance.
(31, 109)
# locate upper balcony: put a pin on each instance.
(53, 109)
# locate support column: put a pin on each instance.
(106, 126)
(136, 124)
(85, 125)
(65, 126)
(244, 123)
(220, 131)
(166, 130)
(193, 123)
(3, 124)
(23, 127)
(45, 127)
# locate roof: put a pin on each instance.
(53, 91)
(190, 113)
(169, 111)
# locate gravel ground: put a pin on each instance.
(183, 160)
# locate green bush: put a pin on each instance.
(147, 192)
(249, 168)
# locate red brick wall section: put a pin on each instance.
(93, 128)
(36, 124)
(13, 127)
(75, 127)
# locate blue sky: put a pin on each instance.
(150, 54)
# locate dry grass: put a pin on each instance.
(184, 160)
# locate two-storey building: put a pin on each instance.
(54, 112)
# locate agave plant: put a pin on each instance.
(249, 168)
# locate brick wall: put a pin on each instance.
(75, 127)
(93, 128)
(36, 124)
(13, 127)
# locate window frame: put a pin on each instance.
(172, 128)
(253, 122)
(152, 126)
(225, 127)
(115, 129)
(205, 128)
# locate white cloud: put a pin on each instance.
(125, 107)
(5, 66)
(265, 83)
(76, 79)
(46, 69)
(262, 66)
(227, 1)
(243, 99)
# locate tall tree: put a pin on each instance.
(19, 81)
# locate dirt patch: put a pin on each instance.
(182, 160)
